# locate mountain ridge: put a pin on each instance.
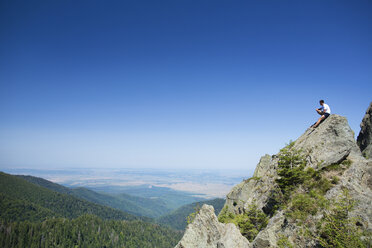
(320, 179)
(134, 205)
(32, 215)
(62, 205)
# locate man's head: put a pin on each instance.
(321, 102)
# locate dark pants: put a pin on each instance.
(326, 115)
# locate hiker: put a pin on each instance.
(324, 111)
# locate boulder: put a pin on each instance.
(330, 143)
(269, 236)
(206, 232)
(256, 190)
(364, 139)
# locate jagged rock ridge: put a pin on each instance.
(331, 143)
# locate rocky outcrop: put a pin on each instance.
(357, 179)
(256, 190)
(364, 139)
(206, 232)
(330, 143)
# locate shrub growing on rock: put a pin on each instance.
(291, 167)
(250, 223)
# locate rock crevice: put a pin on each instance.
(364, 139)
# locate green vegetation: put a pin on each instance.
(178, 218)
(301, 187)
(86, 231)
(338, 167)
(291, 172)
(192, 216)
(336, 229)
(19, 210)
(151, 202)
(302, 194)
(309, 198)
(32, 215)
(62, 205)
(250, 223)
(283, 242)
(303, 205)
(46, 184)
(139, 206)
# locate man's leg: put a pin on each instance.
(319, 121)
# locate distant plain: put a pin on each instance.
(205, 184)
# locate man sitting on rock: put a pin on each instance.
(324, 111)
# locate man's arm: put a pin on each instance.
(320, 110)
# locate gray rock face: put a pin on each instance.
(329, 143)
(365, 136)
(358, 181)
(268, 236)
(256, 190)
(206, 232)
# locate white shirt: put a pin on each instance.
(326, 108)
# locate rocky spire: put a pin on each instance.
(206, 232)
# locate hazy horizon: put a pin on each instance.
(204, 183)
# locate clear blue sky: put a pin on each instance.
(180, 84)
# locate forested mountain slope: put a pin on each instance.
(34, 216)
(135, 205)
(15, 188)
(178, 218)
(86, 231)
